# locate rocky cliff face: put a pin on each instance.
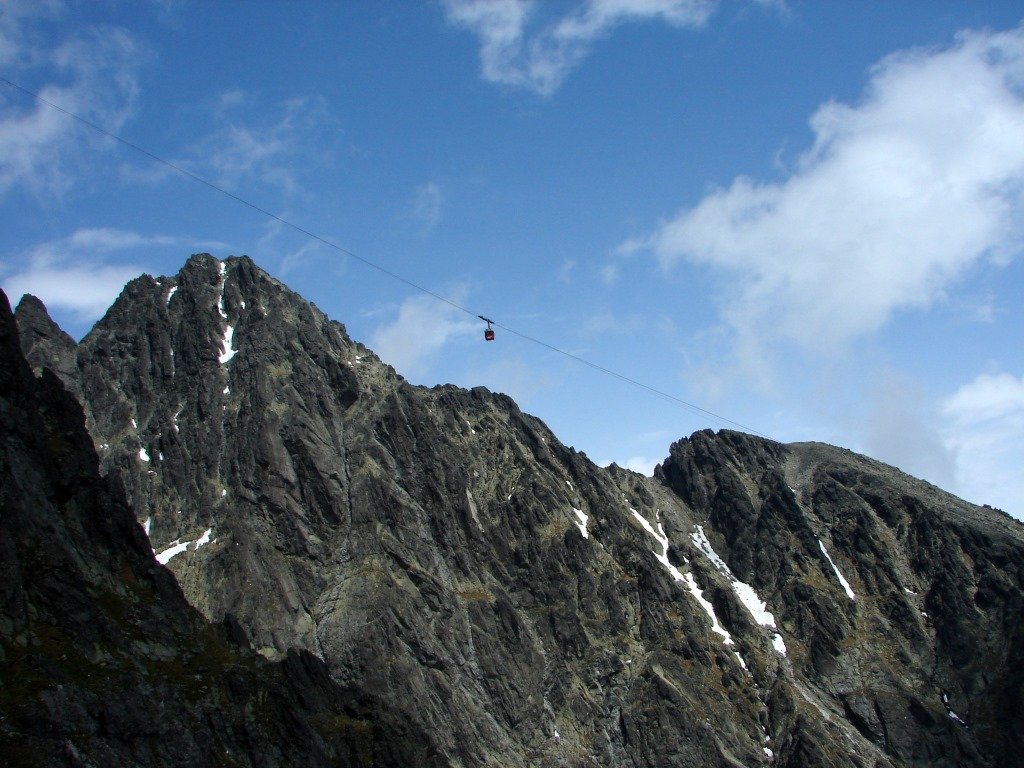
(102, 661)
(753, 604)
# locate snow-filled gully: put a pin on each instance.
(757, 608)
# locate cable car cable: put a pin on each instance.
(383, 270)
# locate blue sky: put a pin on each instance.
(804, 216)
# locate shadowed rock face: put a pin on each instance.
(513, 604)
(102, 661)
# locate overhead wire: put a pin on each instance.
(369, 263)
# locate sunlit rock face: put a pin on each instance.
(513, 604)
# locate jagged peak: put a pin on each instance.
(32, 316)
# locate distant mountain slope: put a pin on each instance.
(753, 604)
(102, 661)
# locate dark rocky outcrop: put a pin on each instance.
(513, 604)
(102, 661)
(43, 342)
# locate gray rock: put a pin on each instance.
(102, 661)
(426, 545)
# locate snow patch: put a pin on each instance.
(842, 579)
(172, 551)
(180, 546)
(779, 644)
(949, 710)
(143, 454)
(581, 522)
(757, 607)
(146, 526)
(177, 413)
(226, 352)
(170, 293)
(135, 424)
(709, 609)
(687, 579)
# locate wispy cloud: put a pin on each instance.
(421, 329)
(83, 273)
(898, 197)
(427, 206)
(984, 425)
(539, 59)
(92, 73)
(242, 150)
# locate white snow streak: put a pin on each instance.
(180, 546)
(147, 525)
(709, 609)
(842, 580)
(582, 522)
(687, 580)
(757, 607)
(170, 293)
(143, 454)
(226, 352)
(949, 710)
(175, 549)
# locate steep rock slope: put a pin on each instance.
(102, 661)
(443, 552)
(907, 601)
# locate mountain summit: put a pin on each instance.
(510, 602)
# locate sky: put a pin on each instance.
(803, 219)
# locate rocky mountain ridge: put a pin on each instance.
(102, 661)
(752, 604)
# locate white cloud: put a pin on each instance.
(76, 273)
(989, 398)
(270, 151)
(423, 326)
(19, 38)
(541, 60)
(96, 67)
(985, 426)
(898, 197)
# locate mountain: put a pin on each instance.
(510, 603)
(102, 660)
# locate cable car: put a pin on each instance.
(488, 332)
